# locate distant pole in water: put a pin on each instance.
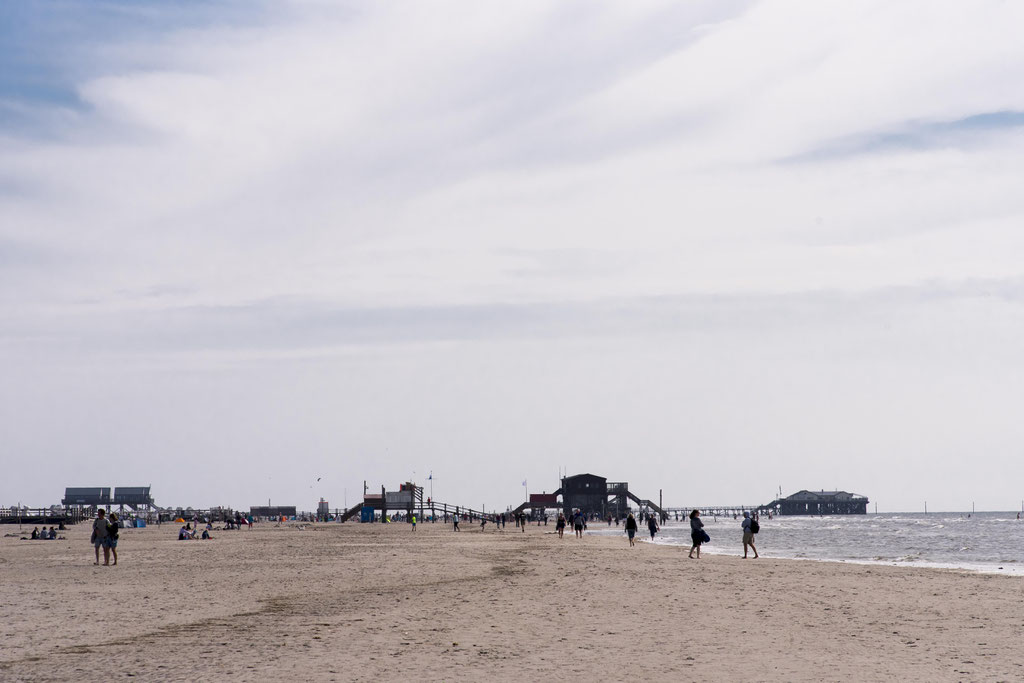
(926, 507)
(972, 507)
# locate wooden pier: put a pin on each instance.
(41, 515)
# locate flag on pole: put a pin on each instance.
(524, 482)
(431, 477)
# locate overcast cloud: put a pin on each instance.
(714, 248)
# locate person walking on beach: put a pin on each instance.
(113, 530)
(631, 529)
(696, 532)
(560, 524)
(577, 524)
(748, 535)
(99, 536)
(455, 522)
(414, 522)
(652, 526)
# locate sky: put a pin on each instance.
(258, 252)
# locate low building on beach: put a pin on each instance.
(822, 503)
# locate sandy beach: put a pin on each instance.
(350, 602)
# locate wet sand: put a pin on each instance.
(365, 601)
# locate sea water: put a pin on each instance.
(983, 541)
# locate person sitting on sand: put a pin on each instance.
(35, 534)
(53, 534)
(184, 533)
(206, 535)
(631, 528)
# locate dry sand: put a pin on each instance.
(346, 602)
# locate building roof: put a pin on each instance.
(806, 495)
(587, 474)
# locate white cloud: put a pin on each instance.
(361, 181)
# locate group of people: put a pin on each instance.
(579, 523)
(187, 533)
(105, 533)
(44, 534)
(699, 537)
(631, 527)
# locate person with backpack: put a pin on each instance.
(750, 527)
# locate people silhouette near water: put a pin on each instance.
(748, 535)
(631, 529)
(652, 525)
(696, 532)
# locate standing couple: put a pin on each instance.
(104, 535)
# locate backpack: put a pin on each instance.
(754, 526)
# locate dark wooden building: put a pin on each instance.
(587, 493)
(134, 497)
(86, 497)
(822, 503)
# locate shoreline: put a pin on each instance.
(865, 545)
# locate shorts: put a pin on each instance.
(748, 537)
(110, 542)
(697, 537)
(578, 527)
(631, 532)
